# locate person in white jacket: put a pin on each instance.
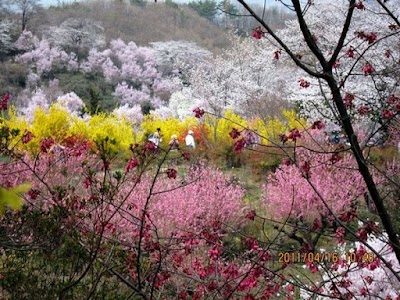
(189, 139)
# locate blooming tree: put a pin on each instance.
(365, 67)
(309, 190)
(245, 73)
(43, 58)
(177, 58)
(74, 34)
(26, 41)
(5, 37)
(71, 102)
(133, 70)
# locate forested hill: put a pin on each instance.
(141, 24)
(202, 22)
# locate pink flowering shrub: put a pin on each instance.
(205, 196)
(296, 190)
(134, 72)
(43, 57)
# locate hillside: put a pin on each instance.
(143, 25)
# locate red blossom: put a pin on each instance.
(150, 146)
(251, 243)
(363, 110)
(375, 264)
(257, 33)
(387, 114)
(239, 145)
(287, 162)
(336, 64)
(305, 167)
(283, 137)
(312, 266)
(215, 252)
(317, 125)
(348, 100)
(87, 182)
(277, 54)
(392, 99)
(294, 134)
(248, 283)
(369, 279)
(387, 53)
(231, 272)
(363, 292)
(234, 133)
(251, 215)
(348, 215)
(132, 163)
(33, 193)
(339, 234)
(369, 37)
(289, 287)
(198, 112)
(182, 295)
(171, 173)
(303, 83)
(45, 144)
(27, 137)
(367, 69)
(4, 101)
(359, 5)
(350, 53)
(365, 230)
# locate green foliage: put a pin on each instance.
(141, 3)
(228, 7)
(172, 4)
(12, 197)
(93, 90)
(12, 77)
(56, 260)
(206, 9)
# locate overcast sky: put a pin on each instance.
(47, 3)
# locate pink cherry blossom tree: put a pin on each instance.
(133, 70)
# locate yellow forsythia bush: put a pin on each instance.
(58, 124)
(116, 134)
(219, 128)
(270, 130)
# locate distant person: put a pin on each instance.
(189, 139)
(173, 143)
(251, 138)
(155, 139)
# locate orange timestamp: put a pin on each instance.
(323, 257)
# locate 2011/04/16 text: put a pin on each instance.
(319, 257)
